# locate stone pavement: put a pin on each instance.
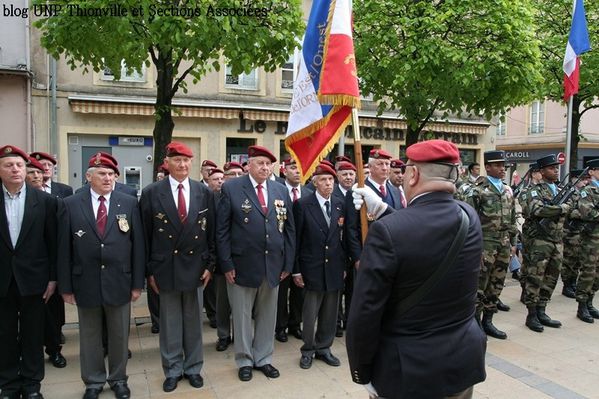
(559, 363)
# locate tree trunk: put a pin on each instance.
(411, 135)
(164, 125)
(574, 139)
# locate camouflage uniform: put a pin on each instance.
(573, 252)
(588, 206)
(497, 214)
(543, 246)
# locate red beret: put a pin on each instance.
(34, 163)
(342, 158)
(38, 155)
(13, 151)
(259, 151)
(214, 171)
(289, 161)
(103, 160)
(377, 153)
(434, 151)
(324, 169)
(328, 163)
(109, 156)
(397, 163)
(207, 162)
(346, 166)
(175, 148)
(232, 165)
(163, 167)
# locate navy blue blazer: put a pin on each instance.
(320, 249)
(32, 261)
(60, 190)
(436, 348)
(100, 270)
(177, 253)
(255, 245)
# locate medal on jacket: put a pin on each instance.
(80, 233)
(203, 223)
(281, 213)
(123, 223)
(246, 206)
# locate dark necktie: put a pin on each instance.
(261, 199)
(101, 216)
(327, 207)
(181, 207)
(294, 192)
(382, 190)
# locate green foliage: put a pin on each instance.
(417, 57)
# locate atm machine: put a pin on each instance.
(132, 178)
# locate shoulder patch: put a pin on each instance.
(533, 193)
(583, 194)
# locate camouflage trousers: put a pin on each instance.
(588, 281)
(543, 260)
(496, 258)
(573, 255)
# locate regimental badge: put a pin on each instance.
(98, 160)
(246, 206)
(8, 150)
(583, 194)
(80, 233)
(281, 213)
(203, 222)
(340, 221)
(123, 223)
(160, 215)
(246, 220)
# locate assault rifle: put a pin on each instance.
(519, 186)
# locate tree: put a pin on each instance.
(181, 38)
(447, 56)
(553, 21)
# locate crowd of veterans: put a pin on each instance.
(267, 257)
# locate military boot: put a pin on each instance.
(583, 313)
(593, 311)
(523, 296)
(532, 320)
(545, 319)
(489, 328)
(568, 289)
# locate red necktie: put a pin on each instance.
(294, 192)
(101, 216)
(261, 198)
(403, 199)
(181, 208)
(382, 190)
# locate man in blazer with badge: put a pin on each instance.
(256, 250)
(27, 276)
(101, 261)
(178, 218)
(320, 265)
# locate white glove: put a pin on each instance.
(371, 391)
(374, 204)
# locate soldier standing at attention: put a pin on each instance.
(544, 245)
(588, 282)
(493, 200)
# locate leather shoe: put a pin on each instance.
(306, 362)
(212, 323)
(121, 390)
(281, 336)
(195, 380)
(268, 370)
(92, 393)
(245, 373)
(33, 395)
(339, 332)
(329, 359)
(297, 333)
(502, 306)
(516, 275)
(155, 329)
(58, 360)
(222, 344)
(170, 384)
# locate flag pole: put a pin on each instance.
(360, 168)
(569, 133)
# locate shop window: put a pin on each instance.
(237, 149)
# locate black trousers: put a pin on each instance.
(345, 300)
(289, 305)
(54, 311)
(21, 342)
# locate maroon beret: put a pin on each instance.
(207, 162)
(342, 158)
(38, 155)
(433, 151)
(289, 161)
(175, 148)
(232, 165)
(377, 153)
(34, 163)
(103, 160)
(259, 151)
(164, 167)
(13, 151)
(343, 165)
(397, 163)
(214, 171)
(109, 156)
(324, 169)
(328, 163)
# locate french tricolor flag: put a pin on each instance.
(578, 43)
(326, 85)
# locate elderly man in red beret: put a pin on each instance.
(412, 331)
(178, 217)
(35, 173)
(27, 276)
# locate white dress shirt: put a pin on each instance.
(175, 191)
(14, 205)
(96, 202)
(290, 189)
(264, 189)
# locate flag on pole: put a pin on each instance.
(326, 85)
(578, 43)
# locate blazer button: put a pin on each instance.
(103, 267)
(101, 245)
(265, 220)
(170, 236)
(266, 252)
(326, 261)
(326, 247)
(191, 252)
(176, 251)
(267, 236)
(196, 237)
